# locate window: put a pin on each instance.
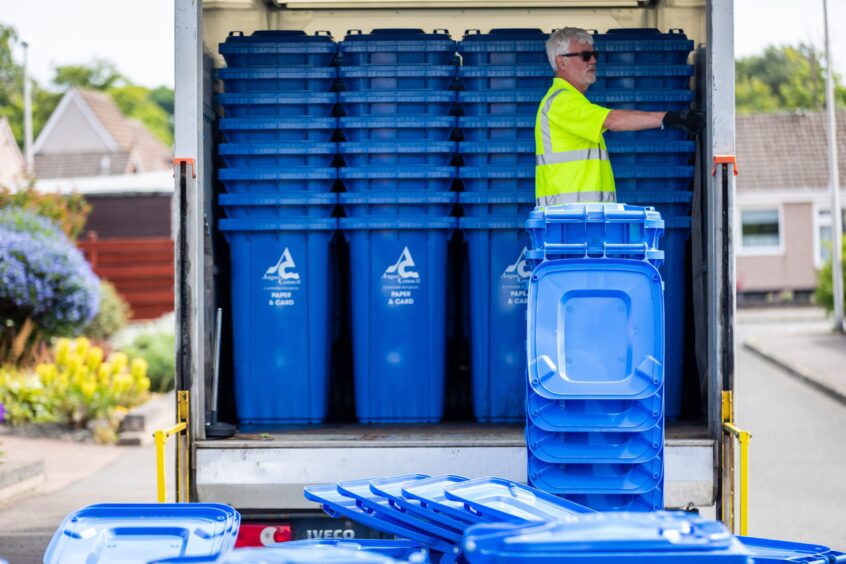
(760, 231)
(823, 247)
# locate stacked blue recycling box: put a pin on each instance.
(397, 126)
(278, 150)
(595, 343)
(498, 101)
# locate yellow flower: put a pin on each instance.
(104, 373)
(82, 345)
(95, 357)
(121, 383)
(74, 361)
(62, 350)
(119, 361)
(139, 368)
(88, 388)
(143, 383)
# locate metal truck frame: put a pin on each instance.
(264, 476)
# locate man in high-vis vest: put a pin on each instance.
(570, 154)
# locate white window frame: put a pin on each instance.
(818, 262)
(774, 250)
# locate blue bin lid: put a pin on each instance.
(477, 96)
(644, 146)
(503, 500)
(337, 505)
(302, 555)
(497, 171)
(642, 171)
(376, 147)
(259, 98)
(355, 39)
(498, 146)
(596, 213)
(286, 122)
(506, 71)
(399, 71)
(511, 197)
(611, 314)
(287, 224)
(398, 96)
(391, 489)
(280, 36)
(607, 536)
(398, 198)
(360, 491)
(407, 550)
(772, 551)
(140, 532)
(504, 33)
(256, 199)
(623, 447)
(278, 148)
(623, 96)
(527, 121)
(255, 73)
(621, 71)
(375, 122)
(640, 416)
(420, 171)
(430, 493)
(273, 173)
(397, 223)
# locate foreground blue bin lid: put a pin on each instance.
(401, 549)
(607, 537)
(430, 493)
(360, 491)
(337, 505)
(610, 315)
(772, 551)
(391, 489)
(503, 500)
(143, 532)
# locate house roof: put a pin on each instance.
(12, 162)
(74, 165)
(133, 147)
(787, 151)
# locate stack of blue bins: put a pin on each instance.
(397, 125)
(644, 69)
(595, 342)
(500, 90)
(278, 150)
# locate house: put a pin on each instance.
(12, 162)
(783, 206)
(87, 135)
(126, 174)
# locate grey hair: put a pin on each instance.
(559, 42)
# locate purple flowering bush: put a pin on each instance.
(46, 286)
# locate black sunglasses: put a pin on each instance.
(585, 55)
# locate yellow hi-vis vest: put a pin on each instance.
(571, 159)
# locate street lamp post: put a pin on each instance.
(30, 164)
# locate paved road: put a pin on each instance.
(798, 449)
(27, 525)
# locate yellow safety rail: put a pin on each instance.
(743, 438)
(182, 452)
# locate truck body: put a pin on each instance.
(263, 473)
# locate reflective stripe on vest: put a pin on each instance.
(556, 157)
(575, 198)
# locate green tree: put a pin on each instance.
(782, 79)
(98, 75)
(137, 103)
(11, 90)
(825, 287)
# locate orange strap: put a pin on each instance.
(186, 161)
(722, 160)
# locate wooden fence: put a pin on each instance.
(141, 268)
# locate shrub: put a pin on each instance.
(158, 349)
(113, 315)
(68, 212)
(46, 286)
(824, 295)
(76, 387)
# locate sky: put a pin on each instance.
(138, 35)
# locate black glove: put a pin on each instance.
(692, 121)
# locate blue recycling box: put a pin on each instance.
(281, 307)
(397, 46)
(398, 282)
(278, 47)
(498, 282)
